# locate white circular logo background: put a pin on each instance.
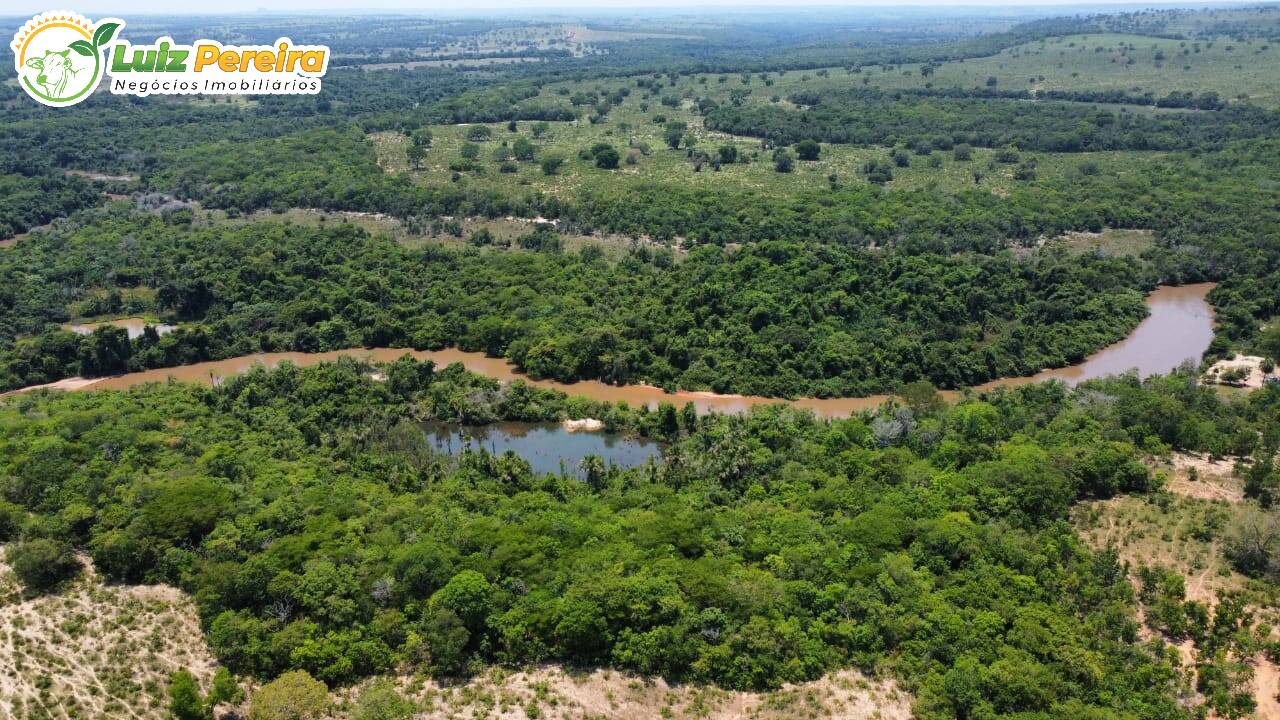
(59, 56)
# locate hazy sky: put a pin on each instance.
(123, 8)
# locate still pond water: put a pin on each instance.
(548, 447)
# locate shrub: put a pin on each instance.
(808, 150)
(877, 172)
(782, 160)
(551, 164)
(605, 155)
(382, 701)
(1007, 156)
(184, 697)
(522, 149)
(1253, 543)
(42, 564)
(10, 520)
(224, 690)
(292, 696)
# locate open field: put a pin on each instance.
(1112, 242)
(576, 39)
(1134, 64)
(1184, 529)
(552, 693)
(1257, 21)
(1180, 528)
(448, 232)
(1175, 531)
(449, 62)
(630, 126)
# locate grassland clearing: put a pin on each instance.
(1112, 242)
(631, 129)
(1134, 64)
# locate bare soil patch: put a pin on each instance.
(1249, 365)
(1266, 685)
(1205, 478)
(552, 693)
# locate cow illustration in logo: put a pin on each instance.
(60, 56)
(56, 71)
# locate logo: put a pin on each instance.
(60, 56)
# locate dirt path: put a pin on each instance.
(1266, 682)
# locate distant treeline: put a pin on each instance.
(869, 116)
(461, 57)
(1207, 100)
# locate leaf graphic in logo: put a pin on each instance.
(82, 47)
(104, 33)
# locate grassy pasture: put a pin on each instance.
(632, 124)
(1132, 63)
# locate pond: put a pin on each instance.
(548, 447)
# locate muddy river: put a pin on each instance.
(1179, 328)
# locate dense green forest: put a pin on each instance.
(774, 318)
(314, 530)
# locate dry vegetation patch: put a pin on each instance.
(1111, 242)
(1174, 531)
(552, 693)
(93, 650)
(1204, 478)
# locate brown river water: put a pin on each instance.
(1179, 328)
